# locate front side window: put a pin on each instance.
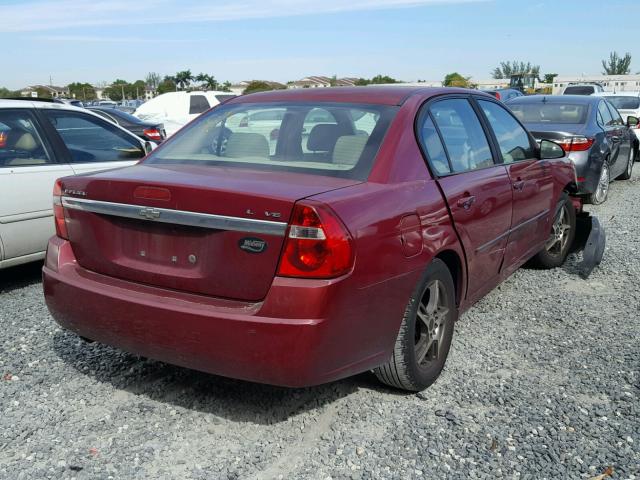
(512, 139)
(198, 104)
(336, 139)
(20, 143)
(91, 139)
(462, 133)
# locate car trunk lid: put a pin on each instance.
(208, 230)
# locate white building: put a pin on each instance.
(610, 83)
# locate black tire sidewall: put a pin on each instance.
(419, 376)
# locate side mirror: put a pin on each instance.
(550, 150)
(632, 121)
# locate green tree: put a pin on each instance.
(226, 86)
(260, 86)
(617, 65)
(548, 77)
(6, 93)
(82, 91)
(381, 79)
(455, 80)
(153, 80)
(506, 69)
(167, 85)
(207, 82)
(183, 79)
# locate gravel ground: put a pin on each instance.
(542, 382)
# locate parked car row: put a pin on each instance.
(350, 239)
(590, 129)
(40, 142)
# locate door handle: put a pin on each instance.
(466, 202)
(518, 186)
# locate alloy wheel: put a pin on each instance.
(430, 324)
(560, 233)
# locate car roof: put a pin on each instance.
(35, 103)
(571, 99)
(380, 95)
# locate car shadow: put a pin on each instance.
(21, 276)
(234, 400)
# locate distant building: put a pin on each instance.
(50, 90)
(311, 82)
(610, 83)
(490, 84)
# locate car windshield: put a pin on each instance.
(624, 103)
(331, 139)
(550, 112)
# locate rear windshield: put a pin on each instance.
(338, 140)
(584, 90)
(624, 103)
(549, 112)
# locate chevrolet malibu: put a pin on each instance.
(353, 246)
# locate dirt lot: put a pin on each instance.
(542, 382)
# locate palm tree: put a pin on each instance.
(183, 79)
(208, 82)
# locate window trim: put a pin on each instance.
(532, 142)
(424, 109)
(42, 132)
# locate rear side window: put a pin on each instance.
(223, 98)
(513, 140)
(198, 104)
(91, 139)
(20, 143)
(433, 147)
(604, 115)
(465, 141)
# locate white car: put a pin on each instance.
(40, 142)
(176, 109)
(627, 104)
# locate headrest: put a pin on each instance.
(26, 142)
(323, 137)
(247, 145)
(349, 148)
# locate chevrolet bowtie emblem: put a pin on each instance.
(149, 213)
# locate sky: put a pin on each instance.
(100, 40)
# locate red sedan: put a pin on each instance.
(338, 231)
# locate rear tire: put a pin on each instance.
(632, 158)
(602, 188)
(424, 339)
(563, 232)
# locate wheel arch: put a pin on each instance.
(455, 265)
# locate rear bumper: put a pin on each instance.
(305, 332)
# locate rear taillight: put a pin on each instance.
(318, 245)
(58, 211)
(3, 139)
(575, 144)
(498, 96)
(152, 134)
